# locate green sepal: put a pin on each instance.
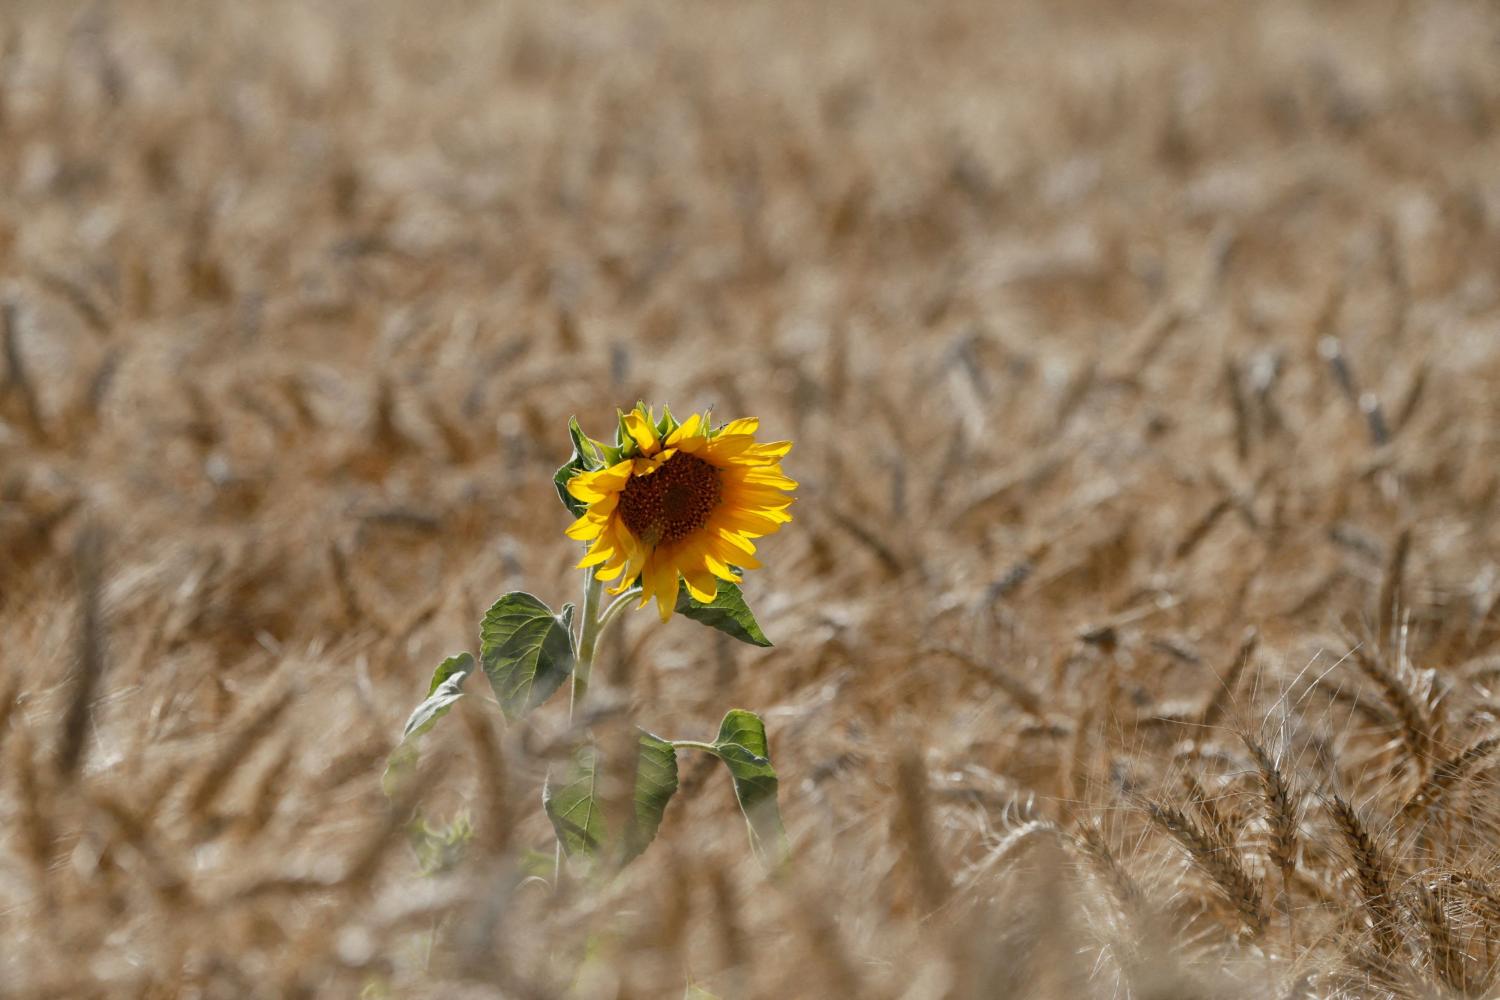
(588, 455)
(744, 749)
(623, 440)
(443, 693)
(560, 478)
(626, 444)
(526, 650)
(727, 612)
(577, 811)
(585, 447)
(667, 424)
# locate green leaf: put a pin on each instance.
(655, 784)
(728, 613)
(578, 810)
(527, 651)
(462, 663)
(743, 748)
(442, 694)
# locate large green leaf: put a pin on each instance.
(743, 748)
(442, 694)
(728, 613)
(579, 812)
(527, 651)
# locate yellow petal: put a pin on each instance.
(728, 451)
(730, 554)
(582, 487)
(646, 466)
(720, 568)
(648, 581)
(767, 476)
(601, 551)
(744, 425)
(665, 586)
(631, 545)
(586, 528)
(701, 583)
(594, 486)
(755, 476)
(643, 431)
(632, 570)
(688, 429)
(751, 524)
(757, 498)
(738, 541)
(772, 449)
(774, 508)
(611, 569)
(635, 560)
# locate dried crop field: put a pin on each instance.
(1138, 633)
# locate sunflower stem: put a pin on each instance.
(590, 626)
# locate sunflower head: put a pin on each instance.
(678, 500)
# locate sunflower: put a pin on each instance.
(683, 501)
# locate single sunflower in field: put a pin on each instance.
(684, 500)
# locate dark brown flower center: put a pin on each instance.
(672, 502)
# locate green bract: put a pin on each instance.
(588, 455)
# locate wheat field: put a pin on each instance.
(1138, 633)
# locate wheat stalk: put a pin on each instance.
(1282, 806)
(1221, 864)
(1372, 870)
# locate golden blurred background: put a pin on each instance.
(1106, 331)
